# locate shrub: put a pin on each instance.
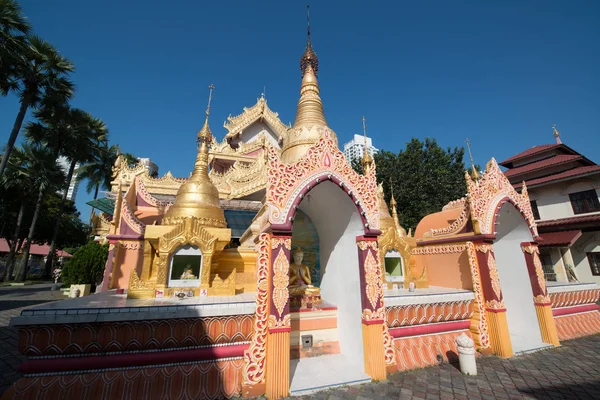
(87, 265)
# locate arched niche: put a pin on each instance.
(185, 267)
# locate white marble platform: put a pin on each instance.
(109, 306)
(557, 287)
(308, 375)
(433, 294)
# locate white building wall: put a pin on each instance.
(553, 200)
(588, 242)
(356, 147)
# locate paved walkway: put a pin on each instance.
(571, 371)
(13, 299)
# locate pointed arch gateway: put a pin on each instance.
(323, 169)
(513, 288)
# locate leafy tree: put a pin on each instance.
(87, 265)
(42, 77)
(424, 178)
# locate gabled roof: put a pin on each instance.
(545, 163)
(259, 111)
(579, 171)
(529, 152)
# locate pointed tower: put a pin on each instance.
(556, 135)
(367, 160)
(198, 197)
(310, 120)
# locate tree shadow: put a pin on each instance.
(587, 390)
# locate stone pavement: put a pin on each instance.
(571, 371)
(13, 299)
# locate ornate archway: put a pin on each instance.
(268, 358)
(486, 197)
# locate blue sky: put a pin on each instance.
(500, 73)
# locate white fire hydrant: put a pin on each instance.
(466, 355)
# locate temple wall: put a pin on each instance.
(425, 326)
(125, 260)
(167, 357)
(575, 309)
(447, 270)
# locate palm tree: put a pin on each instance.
(43, 77)
(98, 172)
(13, 31)
(86, 136)
(17, 180)
(46, 174)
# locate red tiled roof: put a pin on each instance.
(36, 249)
(569, 221)
(535, 166)
(553, 239)
(566, 174)
(529, 152)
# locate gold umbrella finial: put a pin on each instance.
(556, 134)
(474, 173)
(367, 159)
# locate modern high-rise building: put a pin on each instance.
(356, 147)
(65, 163)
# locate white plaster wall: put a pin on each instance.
(553, 200)
(588, 242)
(252, 133)
(514, 279)
(335, 217)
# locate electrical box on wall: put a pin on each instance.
(307, 341)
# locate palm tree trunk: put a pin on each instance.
(13, 136)
(13, 246)
(50, 259)
(22, 269)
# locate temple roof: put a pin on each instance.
(258, 112)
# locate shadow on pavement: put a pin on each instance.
(588, 390)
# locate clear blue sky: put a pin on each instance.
(500, 74)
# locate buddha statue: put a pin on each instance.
(187, 273)
(300, 281)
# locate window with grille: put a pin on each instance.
(585, 202)
(594, 259)
(547, 266)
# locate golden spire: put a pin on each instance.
(385, 219)
(367, 159)
(310, 118)
(475, 175)
(401, 231)
(198, 197)
(556, 135)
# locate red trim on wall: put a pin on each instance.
(276, 330)
(574, 310)
(372, 322)
(131, 359)
(459, 239)
(496, 310)
(439, 327)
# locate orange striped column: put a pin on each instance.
(494, 303)
(373, 315)
(543, 304)
(279, 321)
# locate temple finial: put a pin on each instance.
(309, 58)
(308, 21)
(474, 173)
(205, 135)
(556, 134)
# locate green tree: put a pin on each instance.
(87, 265)
(14, 29)
(424, 178)
(43, 77)
(47, 174)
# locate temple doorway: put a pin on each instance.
(523, 326)
(338, 323)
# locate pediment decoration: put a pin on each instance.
(324, 159)
(457, 226)
(488, 194)
(127, 214)
(124, 176)
(242, 179)
(259, 111)
(188, 232)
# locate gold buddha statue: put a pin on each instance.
(187, 273)
(300, 281)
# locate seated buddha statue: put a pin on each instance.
(300, 281)
(187, 273)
